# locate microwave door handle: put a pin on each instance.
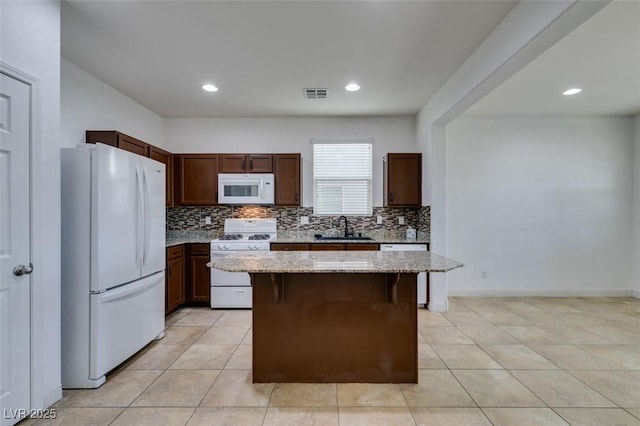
(261, 190)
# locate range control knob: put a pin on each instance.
(226, 246)
(220, 246)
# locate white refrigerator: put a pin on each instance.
(113, 259)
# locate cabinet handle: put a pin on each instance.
(296, 197)
(251, 164)
(391, 196)
(242, 164)
(170, 269)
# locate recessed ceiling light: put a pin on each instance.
(573, 91)
(352, 87)
(209, 88)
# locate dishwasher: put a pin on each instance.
(422, 276)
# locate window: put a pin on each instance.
(342, 173)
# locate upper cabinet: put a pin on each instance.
(246, 163)
(402, 180)
(287, 176)
(166, 158)
(119, 140)
(196, 179)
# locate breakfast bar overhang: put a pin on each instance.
(335, 317)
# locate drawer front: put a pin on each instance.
(231, 297)
(199, 249)
(175, 251)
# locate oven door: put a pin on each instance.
(227, 279)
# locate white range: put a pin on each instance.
(233, 289)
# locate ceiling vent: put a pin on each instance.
(315, 93)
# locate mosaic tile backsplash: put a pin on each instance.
(194, 218)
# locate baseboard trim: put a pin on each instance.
(440, 306)
(542, 293)
(53, 396)
(636, 293)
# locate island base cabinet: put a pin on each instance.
(334, 328)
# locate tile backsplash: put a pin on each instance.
(194, 218)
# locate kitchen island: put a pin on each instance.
(335, 317)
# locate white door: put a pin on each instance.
(154, 200)
(15, 250)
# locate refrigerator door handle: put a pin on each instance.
(138, 215)
(146, 240)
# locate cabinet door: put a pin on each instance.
(233, 163)
(370, 247)
(166, 158)
(199, 284)
(134, 145)
(175, 284)
(287, 176)
(327, 247)
(289, 247)
(403, 180)
(259, 163)
(107, 137)
(196, 179)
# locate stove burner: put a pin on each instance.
(231, 237)
(260, 237)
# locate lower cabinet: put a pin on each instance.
(289, 247)
(323, 246)
(198, 280)
(174, 281)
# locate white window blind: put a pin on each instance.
(342, 175)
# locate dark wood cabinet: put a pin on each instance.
(166, 158)
(402, 180)
(119, 140)
(326, 247)
(289, 247)
(246, 163)
(287, 176)
(198, 275)
(195, 179)
(174, 280)
(363, 247)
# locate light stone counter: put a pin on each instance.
(335, 261)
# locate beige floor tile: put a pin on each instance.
(454, 306)
(239, 318)
(449, 417)
(625, 357)
(296, 416)
(634, 412)
(533, 335)
(496, 388)
(571, 357)
(488, 335)
(577, 335)
(174, 317)
(248, 338)
(70, 416)
(436, 388)
(445, 336)
(234, 388)
(509, 319)
(598, 416)
(375, 416)
(120, 389)
(618, 387)
(460, 319)
(228, 416)
(421, 339)
(428, 359)
(157, 357)
(558, 389)
(223, 335)
(518, 357)
(181, 335)
(465, 356)
(635, 373)
(242, 358)
(199, 319)
(524, 417)
(177, 388)
(304, 395)
(432, 319)
(370, 395)
(207, 357)
(67, 394)
(154, 416)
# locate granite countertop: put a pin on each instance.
(334, 261)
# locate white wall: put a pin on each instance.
(542, 205)
(636, 205)
(389, 134)
(30, 42)
(90, 104)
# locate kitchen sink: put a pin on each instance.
(321, 238)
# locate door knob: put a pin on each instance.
(23, 270)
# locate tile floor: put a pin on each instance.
(501, 361)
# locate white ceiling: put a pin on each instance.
(601, 56)
(261, 54)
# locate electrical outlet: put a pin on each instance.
(207, 220)
(304, 220)
(401, 220)
(379, 220)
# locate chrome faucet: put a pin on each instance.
(347, 233)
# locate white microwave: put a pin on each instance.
(250, 188)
